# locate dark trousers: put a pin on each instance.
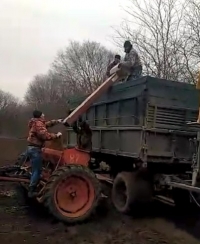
(136, 73)
(35, 156)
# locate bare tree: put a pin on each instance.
(192, 35)
(43, 89)
(7, 101)
(157, 30)
(49, 94)
(77, 70)
(8, 112)
(192, 19)
(82, 67)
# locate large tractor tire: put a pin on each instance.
(72, 194)
(129, 191)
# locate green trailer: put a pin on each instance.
(142, 131)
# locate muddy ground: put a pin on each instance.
(27, 222)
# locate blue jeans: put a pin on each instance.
(35, 155)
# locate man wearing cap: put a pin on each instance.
(38, 134)
(132, 61)
(112, 64)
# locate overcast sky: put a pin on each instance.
(32, 31)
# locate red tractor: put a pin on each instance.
(68, 187)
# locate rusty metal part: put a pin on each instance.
(12, 179)
(104, 178)
(9, 173)
(67, 156)
(74, 196)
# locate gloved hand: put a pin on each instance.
(66, 124)
(119, 65)
(60, 120)
(59, 134)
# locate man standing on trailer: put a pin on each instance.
(112, 64)
(132, 61)
(38, 134)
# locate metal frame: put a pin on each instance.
(196, 158)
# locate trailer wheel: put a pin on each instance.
(72, 194)
(129, 190)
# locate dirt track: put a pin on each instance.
(28, 223)
(10, 149)
(22, 222)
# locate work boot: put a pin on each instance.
(32, 193)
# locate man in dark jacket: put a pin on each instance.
(38, 134)
(84, 135)
(112, 64)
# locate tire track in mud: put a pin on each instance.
(188, 221)
(159, 224)
(155, 224)
(157, 211)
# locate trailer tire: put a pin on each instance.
(129, 191)
(58, 197)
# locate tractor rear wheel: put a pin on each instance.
(72, 193)
(129, 191)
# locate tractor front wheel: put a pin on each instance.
(72, 193)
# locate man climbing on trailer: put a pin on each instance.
(132, 62)
(112, 64)
(38, 134)
(84, 135)
(83, 132)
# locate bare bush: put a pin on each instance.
(43, 89)
(8, 113)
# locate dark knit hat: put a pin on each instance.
(127, 43)
(37, 114)
(117, 56)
